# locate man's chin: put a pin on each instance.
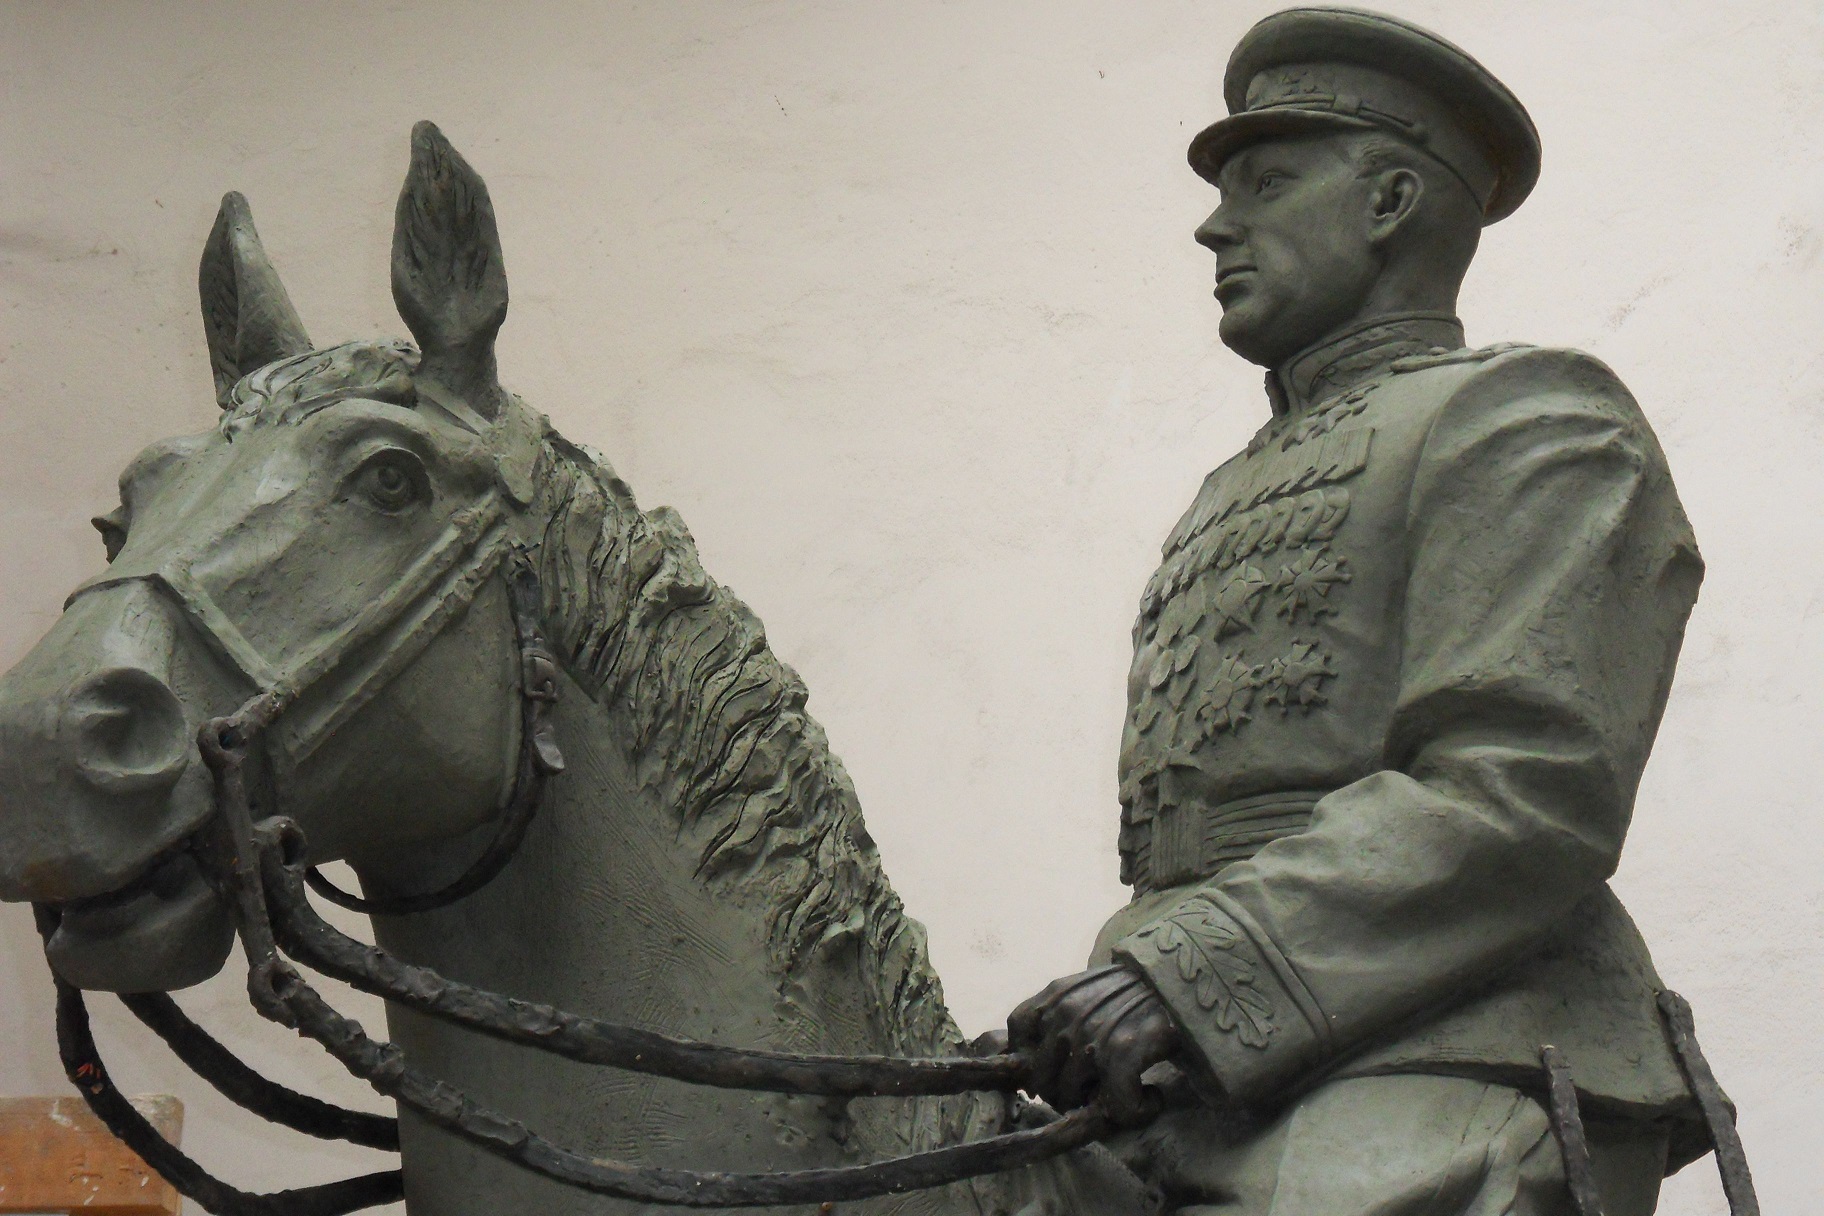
(166, 932)
(1243, 332)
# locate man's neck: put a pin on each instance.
(1356, 353)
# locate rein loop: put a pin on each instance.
(234, 1080)
(308, 938)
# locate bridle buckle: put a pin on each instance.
(538, 675)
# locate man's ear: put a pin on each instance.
(1393, 202)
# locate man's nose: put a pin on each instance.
(1219, 232)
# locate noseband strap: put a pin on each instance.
(306, 695)
(539, 759)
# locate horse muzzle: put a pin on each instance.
(163, 931)
(100, 788)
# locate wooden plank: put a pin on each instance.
(55, 1156)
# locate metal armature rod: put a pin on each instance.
(1731, 1160)
(82, 1064)
(1567, 1125)
(309, 939)
(383, 1066)
(234, 1080)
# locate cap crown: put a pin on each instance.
(1306, 70)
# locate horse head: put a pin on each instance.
(332, 542)
(360, 560)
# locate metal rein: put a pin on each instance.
(261, 870)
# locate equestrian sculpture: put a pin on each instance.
(1392, 691)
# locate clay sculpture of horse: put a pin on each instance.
(701, 867)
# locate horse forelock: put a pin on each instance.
(718, 735)
(292, 389)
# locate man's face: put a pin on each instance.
(1294, 257)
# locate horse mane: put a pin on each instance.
(718, 733)
(716, 725)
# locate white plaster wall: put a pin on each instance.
(898, 304)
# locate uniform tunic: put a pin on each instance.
(1393, 687)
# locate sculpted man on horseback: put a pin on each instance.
(1393, 687)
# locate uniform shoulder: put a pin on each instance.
(1514, 374)
(1531, 394)
(1551, 365)
(1464, 357)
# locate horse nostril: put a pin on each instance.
(126, 731)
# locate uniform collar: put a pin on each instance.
(1344, 360)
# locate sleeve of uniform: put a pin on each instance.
(1550, 573)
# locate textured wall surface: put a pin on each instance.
(898, 305)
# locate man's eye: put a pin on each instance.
(393, 481)
(1267, 181)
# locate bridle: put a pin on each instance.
(260, 870)
(539, 759)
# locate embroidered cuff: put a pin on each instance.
(1251, 1024)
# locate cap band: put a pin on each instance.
(1398, 107)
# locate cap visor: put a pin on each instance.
(1217, 142)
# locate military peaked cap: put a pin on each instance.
(1310, 70)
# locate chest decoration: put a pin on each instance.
(1230, 624)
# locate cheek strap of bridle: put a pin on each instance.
(539, 759)
(347, 668)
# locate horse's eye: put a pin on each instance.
(394, 480)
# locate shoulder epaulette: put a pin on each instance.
(1479, 354)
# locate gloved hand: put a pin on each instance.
(1091, 1035)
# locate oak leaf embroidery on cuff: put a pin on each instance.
(1223, 982)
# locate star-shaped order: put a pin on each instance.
(1228, 695)
(1297, 678)
(1237, 600)
(1306, 584)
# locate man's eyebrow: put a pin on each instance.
(1250, 161)
(1238, 167)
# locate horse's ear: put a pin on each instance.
(246, 314)
(448, 278)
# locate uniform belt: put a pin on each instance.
(1193, 842)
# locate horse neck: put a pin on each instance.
(710, 732)
(596, 912)
(603, 911)
(701, 867)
